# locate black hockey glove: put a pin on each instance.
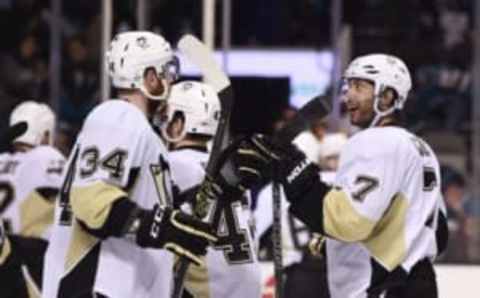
(201, 197)
(176, 231)
(212, 189)
(220, 183)
(258, 159)
(316, 245)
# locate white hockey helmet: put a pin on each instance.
(384, 71)
(200, 106)
(40, 119)
(131, 53)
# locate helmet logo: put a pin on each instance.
(111, 67)
(142, 42)
(391, 60)
(187, 86)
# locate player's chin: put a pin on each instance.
(357, 120)
(354, 118)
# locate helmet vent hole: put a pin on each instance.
(372, 71)
(126, 47)
(121, 62)
(369, 66)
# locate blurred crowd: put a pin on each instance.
(434, 37)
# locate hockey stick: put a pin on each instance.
(318, 107)
(203, 58)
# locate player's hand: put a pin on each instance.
(315, 245)
(212, 189)
(259, 160)
(255, 159)
(176, 231)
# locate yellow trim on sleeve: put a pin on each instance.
(36, 215)
(387, 242)
(197, 281)
(385, 239)
(32, 288)
(6, 250)
(341, 221)
(91, 204)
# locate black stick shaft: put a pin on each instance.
(277, 240)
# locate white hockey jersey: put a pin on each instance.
(232, 268)
(295, 235)
(383, 210)
(29, 182)
(116, 152)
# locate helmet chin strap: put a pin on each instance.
(168, 138)
(376, 102)
(163, 96)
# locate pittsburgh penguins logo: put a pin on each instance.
(187, 86)
(142, 42)
(391, 60)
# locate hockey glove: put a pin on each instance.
(213, 189)
(202, 196)
(258, 159)
(316, 244)
(176, 231)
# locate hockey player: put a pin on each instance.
(30, 178)
(385, 208)
(114, 224)
(305, 274)
(232, 268)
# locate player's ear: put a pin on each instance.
(387, 99)
(176, 125)
(150, 76)
(46, 138)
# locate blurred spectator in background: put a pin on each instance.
(330, 150)
(455, 195)
(80, 90)
(24, 74)
(80, 83)
(286, 115)
(444, 80)
(312, 137)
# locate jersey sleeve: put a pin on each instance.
(40, 180)
(367, 180)
(104, 157)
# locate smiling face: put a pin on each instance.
(359, 100)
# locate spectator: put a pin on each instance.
(80, 83)
(23, 73)
(23, 76)
(286, 115)
(454, 192)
